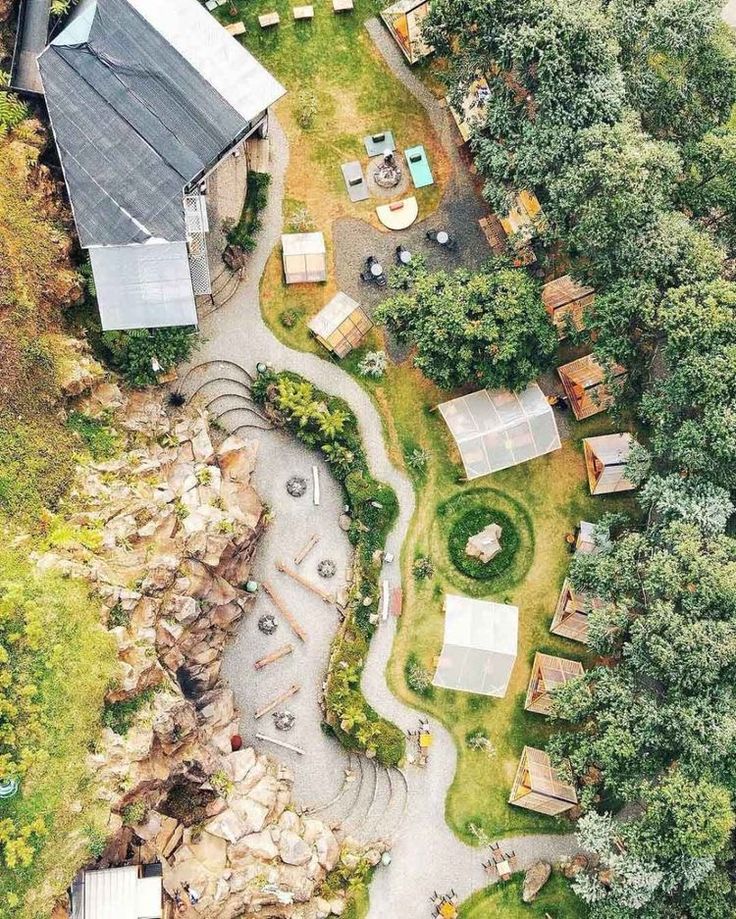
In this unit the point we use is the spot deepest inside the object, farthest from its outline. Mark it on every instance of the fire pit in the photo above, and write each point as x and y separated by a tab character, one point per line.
387	174
268	624
283	720
296	486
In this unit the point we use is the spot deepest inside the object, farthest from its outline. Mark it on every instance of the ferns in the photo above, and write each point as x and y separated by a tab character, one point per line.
12	110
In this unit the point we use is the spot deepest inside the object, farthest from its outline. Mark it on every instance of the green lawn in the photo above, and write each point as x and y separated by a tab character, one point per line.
503	901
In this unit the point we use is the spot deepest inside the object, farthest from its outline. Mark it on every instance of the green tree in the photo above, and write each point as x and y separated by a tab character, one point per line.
679	63
552	70
486	329
708	188
138	352
691	408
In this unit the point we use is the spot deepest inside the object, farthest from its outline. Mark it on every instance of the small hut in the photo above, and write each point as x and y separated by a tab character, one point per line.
404	21
548	672
340	325
605	459
588	386
571	614
305	257
523	214
485	545
127	892
566	301
537	786
480	644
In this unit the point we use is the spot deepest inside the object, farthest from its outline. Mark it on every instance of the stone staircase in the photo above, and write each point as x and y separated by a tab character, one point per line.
224	389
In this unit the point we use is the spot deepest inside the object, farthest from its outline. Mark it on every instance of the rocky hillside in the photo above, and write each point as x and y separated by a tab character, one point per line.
165	534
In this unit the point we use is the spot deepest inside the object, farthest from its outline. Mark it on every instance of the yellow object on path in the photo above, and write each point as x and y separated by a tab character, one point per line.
448	911
425	740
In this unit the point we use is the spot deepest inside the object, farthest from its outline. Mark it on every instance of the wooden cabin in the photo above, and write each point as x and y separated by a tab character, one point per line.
571	614
566	301
404	21
548	672
588	385
605	460
341	324
537	786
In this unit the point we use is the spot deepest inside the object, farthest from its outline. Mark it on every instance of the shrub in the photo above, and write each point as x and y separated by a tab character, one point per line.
243	233
478	740
134	352
290	317
96	841
300	220
418	678
373	364
423	568
119	716
305	108
417	460
134	813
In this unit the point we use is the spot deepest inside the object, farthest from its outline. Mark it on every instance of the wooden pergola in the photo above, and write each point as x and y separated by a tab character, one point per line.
566	301
548	672
571	614
537	786
587	385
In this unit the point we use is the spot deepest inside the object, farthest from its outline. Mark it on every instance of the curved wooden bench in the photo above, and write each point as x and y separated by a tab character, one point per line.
400	214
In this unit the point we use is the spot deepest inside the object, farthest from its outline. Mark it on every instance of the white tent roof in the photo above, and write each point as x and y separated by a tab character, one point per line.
333	314
480	645
497	429
221	59
304	257
143	286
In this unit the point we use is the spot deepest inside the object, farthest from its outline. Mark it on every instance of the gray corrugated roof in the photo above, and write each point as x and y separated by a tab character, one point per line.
134	122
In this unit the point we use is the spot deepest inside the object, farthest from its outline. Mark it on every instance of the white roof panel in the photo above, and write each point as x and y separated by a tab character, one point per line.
143	286
218	56
497	429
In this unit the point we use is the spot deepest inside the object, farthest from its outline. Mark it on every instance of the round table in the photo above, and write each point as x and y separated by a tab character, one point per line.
443	238
376	270
405	257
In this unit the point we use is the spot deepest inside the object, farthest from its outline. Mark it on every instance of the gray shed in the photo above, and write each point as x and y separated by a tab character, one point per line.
305	257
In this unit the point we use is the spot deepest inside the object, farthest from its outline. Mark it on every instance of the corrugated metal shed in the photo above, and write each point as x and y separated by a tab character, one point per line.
116	893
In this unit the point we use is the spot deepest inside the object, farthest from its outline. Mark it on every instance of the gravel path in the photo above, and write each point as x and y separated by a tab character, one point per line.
426	855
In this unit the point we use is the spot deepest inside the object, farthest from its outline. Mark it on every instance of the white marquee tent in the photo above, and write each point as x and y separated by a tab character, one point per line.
497	429
480	645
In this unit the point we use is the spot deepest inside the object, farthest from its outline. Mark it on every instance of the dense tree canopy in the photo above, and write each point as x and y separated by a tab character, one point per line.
552	71
486	329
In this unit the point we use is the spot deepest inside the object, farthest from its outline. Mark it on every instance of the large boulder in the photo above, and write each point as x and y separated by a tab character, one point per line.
534	880
293	850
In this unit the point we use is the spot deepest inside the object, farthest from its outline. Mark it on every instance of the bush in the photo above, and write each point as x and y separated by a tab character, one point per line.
289	317
300	220
101	440
133	352
472	522
373	364
243	233
119	716
134	813
423	568
305	108
418	678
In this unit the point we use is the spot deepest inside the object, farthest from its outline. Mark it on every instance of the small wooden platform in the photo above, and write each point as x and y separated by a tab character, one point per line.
342	6
236	28
269	19
303	12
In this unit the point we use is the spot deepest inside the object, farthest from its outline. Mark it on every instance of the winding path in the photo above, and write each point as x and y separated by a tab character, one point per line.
427	856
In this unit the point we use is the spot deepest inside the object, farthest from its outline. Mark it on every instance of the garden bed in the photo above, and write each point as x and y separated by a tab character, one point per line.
326	423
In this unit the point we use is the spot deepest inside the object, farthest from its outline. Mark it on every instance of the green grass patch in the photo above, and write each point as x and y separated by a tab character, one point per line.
98	436
58	648
119	716
503	901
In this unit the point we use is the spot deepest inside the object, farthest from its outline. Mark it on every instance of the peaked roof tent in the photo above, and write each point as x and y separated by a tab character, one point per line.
404	22
548	672
480	645
571	613
566	301
537	786
587	385
497	429
605	459
341	324
304	256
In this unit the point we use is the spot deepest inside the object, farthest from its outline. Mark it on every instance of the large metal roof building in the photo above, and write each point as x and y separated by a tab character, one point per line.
145	98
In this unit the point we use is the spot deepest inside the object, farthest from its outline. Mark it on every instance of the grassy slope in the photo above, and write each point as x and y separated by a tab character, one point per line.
80	662
356	94
503	901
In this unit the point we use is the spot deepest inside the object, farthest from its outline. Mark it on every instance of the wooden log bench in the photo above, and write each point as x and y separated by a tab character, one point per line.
303	12
266	20
273	656
306	548
324	595
279	700
282	608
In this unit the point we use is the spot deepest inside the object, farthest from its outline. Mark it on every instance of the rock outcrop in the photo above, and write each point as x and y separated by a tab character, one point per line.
175	523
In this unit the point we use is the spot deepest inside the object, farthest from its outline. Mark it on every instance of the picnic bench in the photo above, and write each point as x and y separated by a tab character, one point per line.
235	28
342	6
303	12
266	20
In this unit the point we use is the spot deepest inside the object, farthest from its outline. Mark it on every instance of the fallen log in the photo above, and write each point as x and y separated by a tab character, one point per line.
274	656
269	706
281	607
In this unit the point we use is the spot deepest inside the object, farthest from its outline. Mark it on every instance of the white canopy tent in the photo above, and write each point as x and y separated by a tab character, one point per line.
497	429
480	644
305	259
